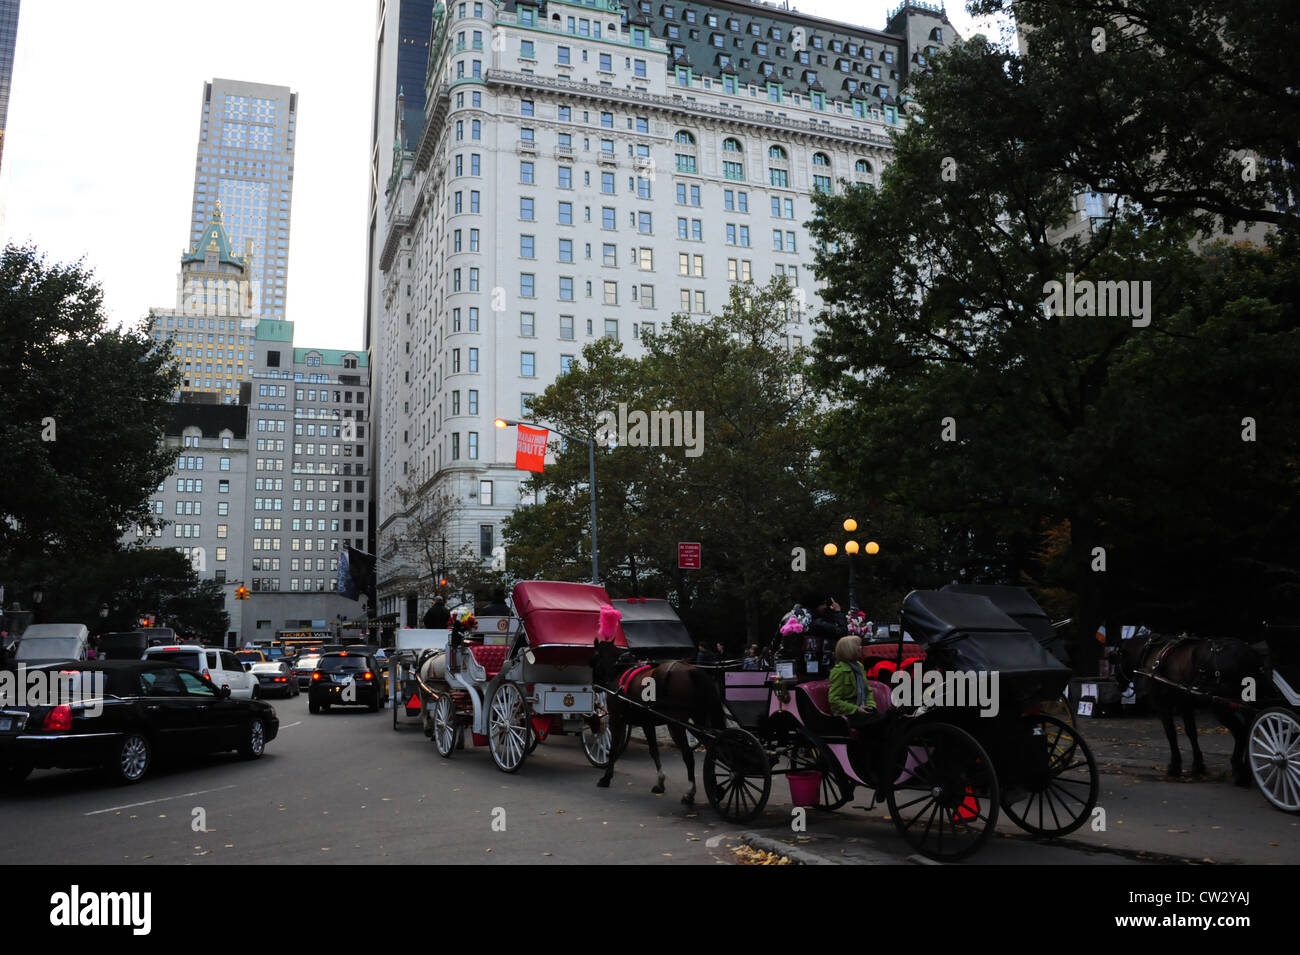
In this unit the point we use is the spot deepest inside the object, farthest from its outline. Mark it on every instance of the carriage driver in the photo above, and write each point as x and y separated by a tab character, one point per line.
849	695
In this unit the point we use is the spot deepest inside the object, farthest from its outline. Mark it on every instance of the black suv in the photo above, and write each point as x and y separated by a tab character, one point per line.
345	678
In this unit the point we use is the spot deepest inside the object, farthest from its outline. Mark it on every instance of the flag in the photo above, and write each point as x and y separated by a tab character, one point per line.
1101	634
356	572
530	451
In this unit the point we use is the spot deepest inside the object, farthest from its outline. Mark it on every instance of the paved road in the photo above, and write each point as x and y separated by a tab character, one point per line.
343	787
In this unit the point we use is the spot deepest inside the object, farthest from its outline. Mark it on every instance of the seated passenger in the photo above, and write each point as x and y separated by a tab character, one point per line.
848	694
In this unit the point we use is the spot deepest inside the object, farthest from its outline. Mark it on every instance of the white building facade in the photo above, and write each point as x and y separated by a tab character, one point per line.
586	170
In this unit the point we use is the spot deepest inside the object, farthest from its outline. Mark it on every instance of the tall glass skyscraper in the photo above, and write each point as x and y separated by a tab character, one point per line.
8	37
245	163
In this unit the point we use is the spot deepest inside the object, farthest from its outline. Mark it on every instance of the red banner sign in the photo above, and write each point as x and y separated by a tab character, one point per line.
688	556
530	452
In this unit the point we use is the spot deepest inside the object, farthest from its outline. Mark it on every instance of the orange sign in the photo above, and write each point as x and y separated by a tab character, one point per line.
530	452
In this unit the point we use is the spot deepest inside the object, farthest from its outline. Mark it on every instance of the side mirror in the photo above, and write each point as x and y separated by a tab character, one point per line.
224	692
248	667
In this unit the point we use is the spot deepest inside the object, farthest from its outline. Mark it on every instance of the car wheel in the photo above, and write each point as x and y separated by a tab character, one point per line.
254	743
131	760
313	707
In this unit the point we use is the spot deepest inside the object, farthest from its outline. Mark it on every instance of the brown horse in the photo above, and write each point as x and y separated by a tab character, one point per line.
1184	672
676	690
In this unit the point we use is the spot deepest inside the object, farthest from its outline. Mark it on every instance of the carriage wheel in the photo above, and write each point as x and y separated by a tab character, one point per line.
444	724
1060	709
508	729
737	775
944	798
1059	783
598	743
807	752
1275	757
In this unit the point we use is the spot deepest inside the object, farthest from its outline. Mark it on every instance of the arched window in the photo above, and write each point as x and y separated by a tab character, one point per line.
862	167
683	138
730	145
777	153
821	159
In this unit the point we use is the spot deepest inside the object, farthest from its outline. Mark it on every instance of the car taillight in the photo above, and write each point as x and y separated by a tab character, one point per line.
58	720
367	675
315	676
281	679
207	675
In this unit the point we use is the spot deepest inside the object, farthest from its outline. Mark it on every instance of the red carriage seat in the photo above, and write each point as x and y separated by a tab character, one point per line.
881	659
490	658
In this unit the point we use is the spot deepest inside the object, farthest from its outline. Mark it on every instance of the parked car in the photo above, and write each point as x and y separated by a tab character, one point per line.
213	663
273	678
303	668
52	642
345	679
150	709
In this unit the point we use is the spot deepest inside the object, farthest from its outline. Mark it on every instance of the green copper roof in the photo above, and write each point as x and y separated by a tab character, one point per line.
214	237
270	330
330	356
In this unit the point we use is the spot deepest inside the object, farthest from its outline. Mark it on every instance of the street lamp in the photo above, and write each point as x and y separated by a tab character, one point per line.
851	549
591	479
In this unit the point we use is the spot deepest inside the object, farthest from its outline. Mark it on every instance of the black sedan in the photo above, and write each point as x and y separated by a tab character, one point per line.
135	711
275	678
345	679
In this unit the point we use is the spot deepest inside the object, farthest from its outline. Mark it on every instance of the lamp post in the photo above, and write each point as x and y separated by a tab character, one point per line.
591	479
851	549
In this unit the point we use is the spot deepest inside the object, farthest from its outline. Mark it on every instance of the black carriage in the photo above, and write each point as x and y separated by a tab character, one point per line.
944	766
1274	744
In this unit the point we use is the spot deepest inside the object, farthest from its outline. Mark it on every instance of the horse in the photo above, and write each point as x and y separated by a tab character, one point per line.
677	690
1186	671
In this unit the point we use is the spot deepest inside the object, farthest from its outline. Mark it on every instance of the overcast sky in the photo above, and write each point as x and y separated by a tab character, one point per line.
104	123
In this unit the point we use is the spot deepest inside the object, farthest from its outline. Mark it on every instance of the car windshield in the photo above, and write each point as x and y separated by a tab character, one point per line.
308	663
348	662
49	648
186	658
252	655
267	668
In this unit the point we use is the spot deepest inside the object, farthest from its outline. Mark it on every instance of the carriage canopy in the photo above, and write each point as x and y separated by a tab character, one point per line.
1017	604
969	632
653	628
562	618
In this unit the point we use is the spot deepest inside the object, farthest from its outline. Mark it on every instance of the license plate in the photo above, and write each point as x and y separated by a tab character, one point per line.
559	702
6	724
343	679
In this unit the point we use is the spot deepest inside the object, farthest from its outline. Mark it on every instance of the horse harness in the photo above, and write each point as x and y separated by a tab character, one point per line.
1162	652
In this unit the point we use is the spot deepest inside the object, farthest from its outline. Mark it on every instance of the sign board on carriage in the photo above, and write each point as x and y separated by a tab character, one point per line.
688	555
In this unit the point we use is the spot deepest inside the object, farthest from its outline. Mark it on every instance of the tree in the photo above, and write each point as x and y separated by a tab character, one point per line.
744	485
85	409
962	397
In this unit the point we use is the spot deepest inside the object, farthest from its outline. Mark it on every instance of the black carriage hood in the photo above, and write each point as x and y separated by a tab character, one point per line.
651	625
969	632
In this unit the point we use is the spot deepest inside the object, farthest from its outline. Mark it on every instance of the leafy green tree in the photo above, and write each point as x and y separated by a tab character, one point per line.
85	406
960	398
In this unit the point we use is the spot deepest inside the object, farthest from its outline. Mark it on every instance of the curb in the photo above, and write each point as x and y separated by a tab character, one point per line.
796	854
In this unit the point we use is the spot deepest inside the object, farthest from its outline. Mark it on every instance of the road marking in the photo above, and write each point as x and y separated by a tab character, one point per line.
150	802
299	723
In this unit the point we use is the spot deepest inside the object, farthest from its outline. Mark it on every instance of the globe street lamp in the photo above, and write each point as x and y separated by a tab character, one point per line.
851	549
591	479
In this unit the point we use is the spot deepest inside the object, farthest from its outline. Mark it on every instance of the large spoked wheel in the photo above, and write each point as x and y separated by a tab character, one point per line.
1057	785
944	797
598	742
444	724
808	753
1275	757
508	729
737	776
1060	709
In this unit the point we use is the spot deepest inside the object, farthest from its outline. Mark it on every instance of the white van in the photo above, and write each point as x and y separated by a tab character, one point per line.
219	666
52	642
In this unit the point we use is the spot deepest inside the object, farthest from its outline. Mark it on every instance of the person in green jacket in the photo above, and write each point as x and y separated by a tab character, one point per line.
849	694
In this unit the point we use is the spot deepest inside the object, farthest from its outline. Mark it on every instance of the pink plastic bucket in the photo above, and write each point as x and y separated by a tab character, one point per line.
805	787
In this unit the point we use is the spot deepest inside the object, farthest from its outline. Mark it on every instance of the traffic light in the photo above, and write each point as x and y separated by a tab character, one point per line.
241	592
